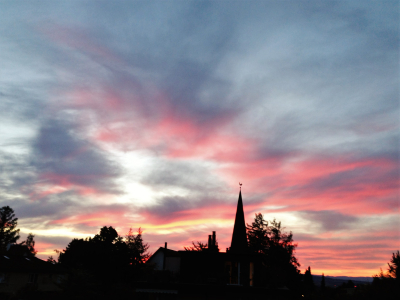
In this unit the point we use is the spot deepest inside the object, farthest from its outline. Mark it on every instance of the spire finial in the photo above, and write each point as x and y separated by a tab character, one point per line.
240	184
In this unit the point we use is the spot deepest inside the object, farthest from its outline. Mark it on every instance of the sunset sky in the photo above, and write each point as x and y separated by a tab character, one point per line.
149	113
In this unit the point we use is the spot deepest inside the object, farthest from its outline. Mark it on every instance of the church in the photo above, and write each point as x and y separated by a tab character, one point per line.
209	273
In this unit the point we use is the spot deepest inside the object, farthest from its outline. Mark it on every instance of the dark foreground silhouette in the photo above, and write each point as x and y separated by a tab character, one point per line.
260	264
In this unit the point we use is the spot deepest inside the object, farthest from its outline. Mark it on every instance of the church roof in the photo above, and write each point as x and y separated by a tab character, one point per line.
239	237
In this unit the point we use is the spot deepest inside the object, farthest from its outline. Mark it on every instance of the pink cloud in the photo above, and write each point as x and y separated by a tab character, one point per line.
65	181
77	39
360	186
109	218
125	118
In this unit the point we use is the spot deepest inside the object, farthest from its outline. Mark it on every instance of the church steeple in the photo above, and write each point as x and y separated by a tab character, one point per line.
239	237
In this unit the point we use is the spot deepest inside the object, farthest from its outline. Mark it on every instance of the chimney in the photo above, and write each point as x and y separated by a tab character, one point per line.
165	245
209	241
214	239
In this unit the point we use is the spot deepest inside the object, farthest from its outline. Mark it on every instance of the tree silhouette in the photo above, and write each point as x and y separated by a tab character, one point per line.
8	232
100	254
279	265
30	244
137	249
393	268
394	264
108	235
349	284
51	260
102	263
265	238
387	285
323	282
198	246
258	235
308	281
96	264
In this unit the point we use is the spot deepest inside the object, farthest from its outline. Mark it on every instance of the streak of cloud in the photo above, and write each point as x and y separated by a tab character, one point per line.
148	113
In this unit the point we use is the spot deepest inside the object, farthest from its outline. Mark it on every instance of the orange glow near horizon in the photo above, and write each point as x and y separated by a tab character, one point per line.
112	120
284	184
180	232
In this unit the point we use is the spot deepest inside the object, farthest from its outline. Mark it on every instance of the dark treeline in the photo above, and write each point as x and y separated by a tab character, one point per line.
108	265
104	265
98	267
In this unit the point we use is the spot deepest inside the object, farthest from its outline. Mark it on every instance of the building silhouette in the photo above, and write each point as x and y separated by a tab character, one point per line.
209	273
239	237
21	272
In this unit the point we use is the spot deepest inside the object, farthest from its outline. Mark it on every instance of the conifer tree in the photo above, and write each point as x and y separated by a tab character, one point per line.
308	281
9	234
136	247
394	270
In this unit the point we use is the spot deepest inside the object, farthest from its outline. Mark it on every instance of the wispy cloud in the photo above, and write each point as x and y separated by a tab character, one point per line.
148	113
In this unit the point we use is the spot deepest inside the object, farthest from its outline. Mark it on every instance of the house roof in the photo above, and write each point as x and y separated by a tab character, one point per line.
20	264
167	252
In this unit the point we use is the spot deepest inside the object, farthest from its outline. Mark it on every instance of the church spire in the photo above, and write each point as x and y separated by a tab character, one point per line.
239	237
